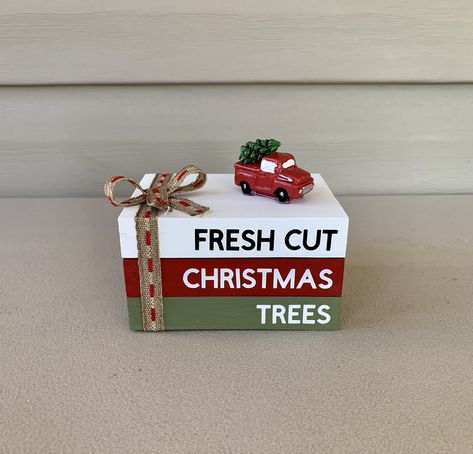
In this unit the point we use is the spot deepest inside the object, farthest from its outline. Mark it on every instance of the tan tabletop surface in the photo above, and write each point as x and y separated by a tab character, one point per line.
397	378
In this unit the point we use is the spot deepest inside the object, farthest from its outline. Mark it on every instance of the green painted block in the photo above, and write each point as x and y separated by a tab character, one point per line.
134	314
279	313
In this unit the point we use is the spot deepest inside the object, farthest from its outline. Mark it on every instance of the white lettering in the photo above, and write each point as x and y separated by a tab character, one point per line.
320	311
306	278
238	277
328	281
278	312
246	275
263	308
308	311
278	279
292	313
211	277
264	273
226	276
185	278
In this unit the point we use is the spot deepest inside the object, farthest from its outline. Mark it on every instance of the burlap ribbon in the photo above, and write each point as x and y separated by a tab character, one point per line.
159	196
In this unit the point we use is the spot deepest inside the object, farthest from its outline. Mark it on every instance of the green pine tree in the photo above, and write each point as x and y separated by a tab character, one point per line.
254	151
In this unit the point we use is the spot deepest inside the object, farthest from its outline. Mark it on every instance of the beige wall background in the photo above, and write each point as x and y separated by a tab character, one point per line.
374	94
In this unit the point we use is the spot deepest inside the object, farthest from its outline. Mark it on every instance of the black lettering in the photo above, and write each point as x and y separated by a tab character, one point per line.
260	239
231	239
247	237
329	234
198	238
305	241
216	238
287	242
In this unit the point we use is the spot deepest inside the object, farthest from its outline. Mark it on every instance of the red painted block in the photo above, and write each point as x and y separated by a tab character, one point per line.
243	277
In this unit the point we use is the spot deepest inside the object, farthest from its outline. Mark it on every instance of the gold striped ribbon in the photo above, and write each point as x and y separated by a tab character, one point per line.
159	196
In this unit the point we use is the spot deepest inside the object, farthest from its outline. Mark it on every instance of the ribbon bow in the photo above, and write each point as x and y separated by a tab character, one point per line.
160	193
159	196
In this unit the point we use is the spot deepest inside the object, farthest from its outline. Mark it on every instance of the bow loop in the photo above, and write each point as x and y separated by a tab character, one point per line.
160	194
179	177
113	182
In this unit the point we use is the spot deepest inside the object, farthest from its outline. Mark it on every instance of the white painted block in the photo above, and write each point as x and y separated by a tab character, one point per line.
318	212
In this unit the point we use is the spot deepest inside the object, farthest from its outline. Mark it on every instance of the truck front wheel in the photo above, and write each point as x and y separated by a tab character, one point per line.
245	188
282	196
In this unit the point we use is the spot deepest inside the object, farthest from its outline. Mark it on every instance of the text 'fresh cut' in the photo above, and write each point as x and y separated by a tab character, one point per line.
248	240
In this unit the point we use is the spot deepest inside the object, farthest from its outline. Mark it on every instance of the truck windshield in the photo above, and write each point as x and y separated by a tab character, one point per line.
289	163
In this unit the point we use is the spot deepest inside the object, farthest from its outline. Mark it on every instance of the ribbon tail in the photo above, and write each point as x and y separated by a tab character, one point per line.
152	306
187	206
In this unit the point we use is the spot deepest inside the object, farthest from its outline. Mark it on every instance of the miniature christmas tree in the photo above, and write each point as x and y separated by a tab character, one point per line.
254	151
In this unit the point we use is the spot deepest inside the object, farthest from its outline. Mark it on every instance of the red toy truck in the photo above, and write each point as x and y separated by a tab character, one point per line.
275	175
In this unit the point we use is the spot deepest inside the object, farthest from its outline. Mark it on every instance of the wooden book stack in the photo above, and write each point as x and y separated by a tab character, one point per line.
247	263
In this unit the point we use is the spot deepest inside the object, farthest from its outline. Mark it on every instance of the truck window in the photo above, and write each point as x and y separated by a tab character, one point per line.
289	163
268	166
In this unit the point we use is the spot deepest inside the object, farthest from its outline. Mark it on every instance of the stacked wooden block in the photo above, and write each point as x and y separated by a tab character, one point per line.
248	263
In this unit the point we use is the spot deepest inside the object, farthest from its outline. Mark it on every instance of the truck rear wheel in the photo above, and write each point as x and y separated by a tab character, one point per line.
282	196
245	188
